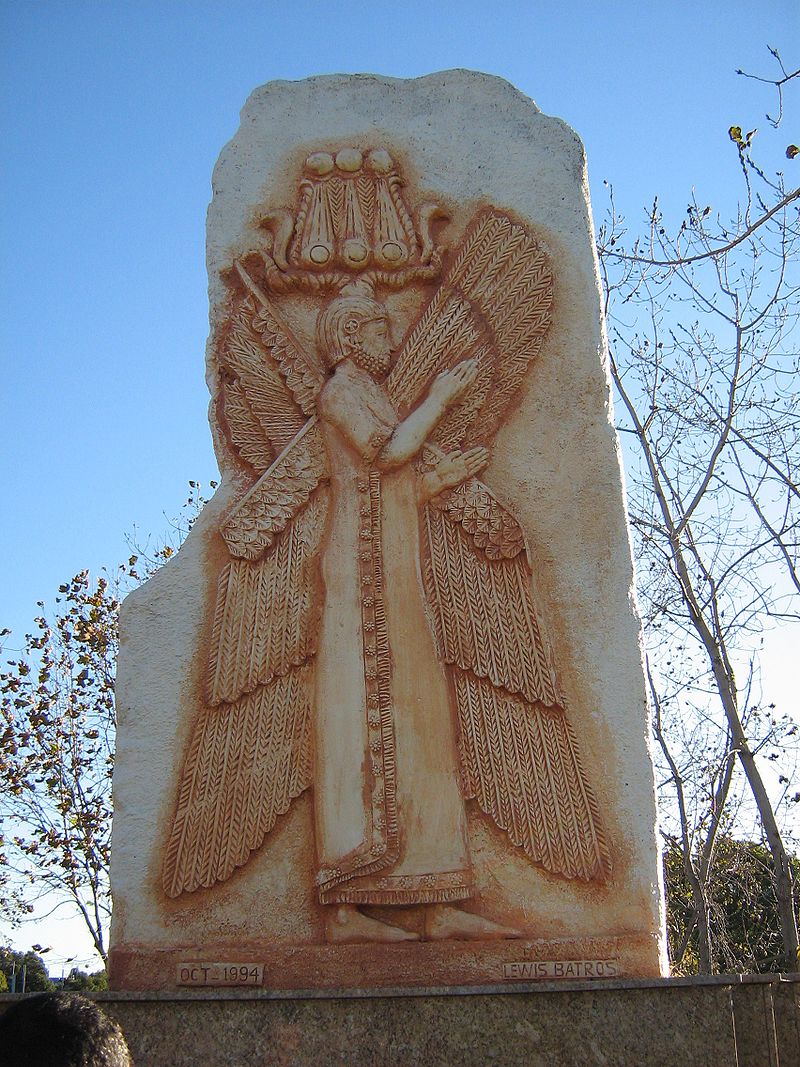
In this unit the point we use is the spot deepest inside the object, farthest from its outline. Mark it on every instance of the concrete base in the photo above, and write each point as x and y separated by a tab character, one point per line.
725	1021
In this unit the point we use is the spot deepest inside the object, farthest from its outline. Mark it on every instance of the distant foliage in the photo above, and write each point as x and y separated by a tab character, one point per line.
56	752
16	965
744	920
80	980
57	732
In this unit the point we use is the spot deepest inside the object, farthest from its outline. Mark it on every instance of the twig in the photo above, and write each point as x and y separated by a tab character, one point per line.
714	252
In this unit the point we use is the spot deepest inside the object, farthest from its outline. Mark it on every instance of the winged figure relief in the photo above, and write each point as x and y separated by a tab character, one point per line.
376	635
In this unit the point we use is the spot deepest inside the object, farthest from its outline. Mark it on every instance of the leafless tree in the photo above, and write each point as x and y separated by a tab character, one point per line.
703	335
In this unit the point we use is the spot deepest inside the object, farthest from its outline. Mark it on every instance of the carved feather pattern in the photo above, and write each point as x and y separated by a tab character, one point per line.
251	527
494	302
246	432
366	198
493	528
247	762
266	611
334	190
520	327
519	756
260	410
456	425
250	750
485	613
427	349
510	281
303	376
520	763
443	335
353	221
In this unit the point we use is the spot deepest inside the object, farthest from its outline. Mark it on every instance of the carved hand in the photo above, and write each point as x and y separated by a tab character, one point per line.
451	470
448	386
458	466
411	434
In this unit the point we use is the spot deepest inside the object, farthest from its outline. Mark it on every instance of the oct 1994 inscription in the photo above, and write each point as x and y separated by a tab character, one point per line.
220	974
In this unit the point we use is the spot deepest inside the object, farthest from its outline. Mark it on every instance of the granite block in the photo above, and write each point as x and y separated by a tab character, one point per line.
711	1022
754	1024
786	1009
611	1026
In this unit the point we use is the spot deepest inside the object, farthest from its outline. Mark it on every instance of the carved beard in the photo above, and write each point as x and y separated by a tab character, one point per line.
375	365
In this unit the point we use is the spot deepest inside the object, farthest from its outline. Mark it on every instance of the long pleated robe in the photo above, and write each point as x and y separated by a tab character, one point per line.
390	819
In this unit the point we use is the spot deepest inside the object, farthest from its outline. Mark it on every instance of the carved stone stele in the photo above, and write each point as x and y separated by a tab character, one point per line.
382	720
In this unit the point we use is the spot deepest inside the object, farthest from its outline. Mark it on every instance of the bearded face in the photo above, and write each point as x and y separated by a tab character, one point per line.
372	347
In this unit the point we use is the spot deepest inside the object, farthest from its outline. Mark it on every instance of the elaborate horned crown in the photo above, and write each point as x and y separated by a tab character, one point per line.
351	220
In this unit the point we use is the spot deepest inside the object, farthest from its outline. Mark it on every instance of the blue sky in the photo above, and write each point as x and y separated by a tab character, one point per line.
113	114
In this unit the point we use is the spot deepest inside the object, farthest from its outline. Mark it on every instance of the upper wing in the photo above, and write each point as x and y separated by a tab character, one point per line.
268	386
494	304
519	755
250	753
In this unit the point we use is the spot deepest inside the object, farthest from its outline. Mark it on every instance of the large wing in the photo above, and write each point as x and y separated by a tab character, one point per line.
519	754
249	753
494	304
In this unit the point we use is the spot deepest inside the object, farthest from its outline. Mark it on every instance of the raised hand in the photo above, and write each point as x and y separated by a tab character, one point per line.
409	437
448	386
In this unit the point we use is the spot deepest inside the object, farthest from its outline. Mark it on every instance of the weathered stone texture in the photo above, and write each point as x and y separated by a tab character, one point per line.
720	1022
396	664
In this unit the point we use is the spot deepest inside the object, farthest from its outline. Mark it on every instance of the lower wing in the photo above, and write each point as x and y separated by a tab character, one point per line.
250	754
519	754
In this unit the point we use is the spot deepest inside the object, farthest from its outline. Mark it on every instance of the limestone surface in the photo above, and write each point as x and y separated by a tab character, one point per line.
382	720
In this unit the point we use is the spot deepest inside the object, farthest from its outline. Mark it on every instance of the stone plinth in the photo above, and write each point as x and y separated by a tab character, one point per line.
719	1022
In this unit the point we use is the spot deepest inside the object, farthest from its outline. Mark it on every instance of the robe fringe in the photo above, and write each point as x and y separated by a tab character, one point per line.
396	896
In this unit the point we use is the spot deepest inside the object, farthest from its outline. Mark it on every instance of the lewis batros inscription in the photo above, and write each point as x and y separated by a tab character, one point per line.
404	708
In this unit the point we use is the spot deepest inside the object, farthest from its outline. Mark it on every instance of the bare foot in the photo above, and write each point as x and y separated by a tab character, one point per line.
346	925
443	921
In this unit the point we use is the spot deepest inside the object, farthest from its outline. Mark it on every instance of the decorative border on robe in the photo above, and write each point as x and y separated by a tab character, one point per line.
410	889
